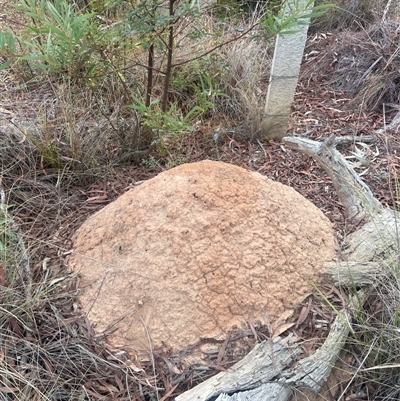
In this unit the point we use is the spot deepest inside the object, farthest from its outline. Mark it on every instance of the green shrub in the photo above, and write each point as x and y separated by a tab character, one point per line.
57	40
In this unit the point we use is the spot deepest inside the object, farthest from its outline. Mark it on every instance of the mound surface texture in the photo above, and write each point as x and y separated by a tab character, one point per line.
195	250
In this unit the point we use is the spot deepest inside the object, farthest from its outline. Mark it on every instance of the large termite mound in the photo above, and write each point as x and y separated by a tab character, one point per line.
196	250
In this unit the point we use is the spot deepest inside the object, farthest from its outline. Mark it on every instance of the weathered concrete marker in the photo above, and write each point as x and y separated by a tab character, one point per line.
284	75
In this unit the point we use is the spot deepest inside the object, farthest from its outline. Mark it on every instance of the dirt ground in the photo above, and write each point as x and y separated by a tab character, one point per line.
318	112
320	109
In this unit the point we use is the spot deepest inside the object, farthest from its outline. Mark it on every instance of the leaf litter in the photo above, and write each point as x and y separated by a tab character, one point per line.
49	349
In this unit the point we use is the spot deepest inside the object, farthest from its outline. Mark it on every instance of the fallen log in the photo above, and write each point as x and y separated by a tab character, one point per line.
357	198
266	372
271	371
264	363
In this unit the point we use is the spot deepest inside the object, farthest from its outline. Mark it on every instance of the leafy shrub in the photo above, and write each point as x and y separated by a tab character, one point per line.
57	40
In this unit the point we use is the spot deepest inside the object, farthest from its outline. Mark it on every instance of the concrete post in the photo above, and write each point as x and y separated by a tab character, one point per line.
284	76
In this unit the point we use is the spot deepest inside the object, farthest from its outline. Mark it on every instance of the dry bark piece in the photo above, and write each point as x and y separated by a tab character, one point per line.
357	198
265	373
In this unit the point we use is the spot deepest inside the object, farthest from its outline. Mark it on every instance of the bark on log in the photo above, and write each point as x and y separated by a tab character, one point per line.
376	240
357	198
264	363
275	391
351	273
365	258
265	374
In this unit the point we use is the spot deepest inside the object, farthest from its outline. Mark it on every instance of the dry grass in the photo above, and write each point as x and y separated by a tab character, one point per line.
350	15
375	345
64	133
48	348
364	65
247	77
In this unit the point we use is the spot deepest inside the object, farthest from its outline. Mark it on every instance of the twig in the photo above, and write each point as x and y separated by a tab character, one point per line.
262	147
343	140
366	73
151	356
22	259
386	10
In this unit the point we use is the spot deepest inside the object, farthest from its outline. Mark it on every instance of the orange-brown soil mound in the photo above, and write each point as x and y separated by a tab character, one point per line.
195	250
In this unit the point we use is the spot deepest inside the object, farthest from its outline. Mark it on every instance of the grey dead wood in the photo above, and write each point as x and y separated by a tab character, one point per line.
276	391
357	198
271	371
394	124
352	274
263	364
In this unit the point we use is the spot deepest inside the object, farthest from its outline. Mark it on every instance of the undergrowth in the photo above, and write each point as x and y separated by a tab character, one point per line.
373	345
86	103
48	348
117	78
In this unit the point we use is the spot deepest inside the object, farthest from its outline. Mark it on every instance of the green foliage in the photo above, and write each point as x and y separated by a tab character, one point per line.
8	48
49	153
64	39
149	17
161	122
198	83
148	20
251	6
288	18
57	40
207	91
225	10
7	41
275	5
150	163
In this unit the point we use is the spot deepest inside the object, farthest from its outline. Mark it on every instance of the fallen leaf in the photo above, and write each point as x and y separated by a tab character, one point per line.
281	329
97	198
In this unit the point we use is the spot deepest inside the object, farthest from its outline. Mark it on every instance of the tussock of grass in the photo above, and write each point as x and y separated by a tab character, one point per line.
375	344
348	15
48	349
247	76
365	65
380	65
